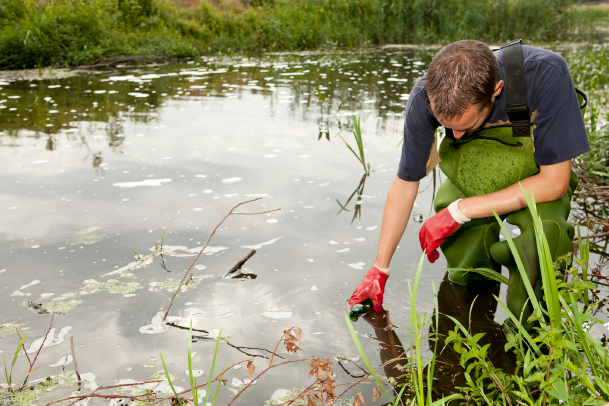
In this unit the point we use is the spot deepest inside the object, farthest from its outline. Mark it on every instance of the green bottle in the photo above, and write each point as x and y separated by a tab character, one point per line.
360	309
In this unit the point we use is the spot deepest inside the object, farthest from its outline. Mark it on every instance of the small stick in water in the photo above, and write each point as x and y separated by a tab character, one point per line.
74	358
240	263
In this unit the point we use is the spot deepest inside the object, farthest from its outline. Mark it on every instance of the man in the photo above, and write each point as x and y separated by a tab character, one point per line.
485	154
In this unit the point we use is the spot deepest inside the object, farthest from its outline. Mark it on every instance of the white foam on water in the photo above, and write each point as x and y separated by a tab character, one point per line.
157	325
231	195
257	195
311	260
344	250
50	341
231	180
147	182
167	157
279	394
358	265
200	176
332	242
278	315
270	156
258	246
238	383
272	221
136	94
227	315
208	191
372	228
99	91
197	209
318	333
129	294
195	372
12	208
45	295
303	156
32	283
208	250
314	287
2	270
40	161
63	361
359	239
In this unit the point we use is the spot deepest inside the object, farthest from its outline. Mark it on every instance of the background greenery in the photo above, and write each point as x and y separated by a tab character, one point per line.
73	32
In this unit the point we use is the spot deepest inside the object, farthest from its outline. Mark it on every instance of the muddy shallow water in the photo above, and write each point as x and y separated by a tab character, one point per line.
95	168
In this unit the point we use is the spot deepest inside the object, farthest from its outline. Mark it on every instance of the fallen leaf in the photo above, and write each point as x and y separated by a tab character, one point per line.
250	368
291	339
360	398
376	393
310	402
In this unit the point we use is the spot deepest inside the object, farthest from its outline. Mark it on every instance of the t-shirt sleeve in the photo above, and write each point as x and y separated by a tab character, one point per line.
559	133
419	130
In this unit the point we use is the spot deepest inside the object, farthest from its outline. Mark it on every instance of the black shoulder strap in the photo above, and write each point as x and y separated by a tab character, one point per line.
517	108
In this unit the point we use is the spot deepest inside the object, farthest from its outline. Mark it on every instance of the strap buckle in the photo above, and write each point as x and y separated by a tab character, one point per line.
519	112
514	42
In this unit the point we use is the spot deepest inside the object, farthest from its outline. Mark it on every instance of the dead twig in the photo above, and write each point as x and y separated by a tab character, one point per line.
102	388
599	235
32	363
241	262
74	359
205	246
361	379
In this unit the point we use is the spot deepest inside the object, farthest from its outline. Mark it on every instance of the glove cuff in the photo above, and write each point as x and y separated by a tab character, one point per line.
457	215
383	270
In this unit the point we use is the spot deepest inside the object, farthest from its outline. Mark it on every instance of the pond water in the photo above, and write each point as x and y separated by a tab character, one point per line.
96	168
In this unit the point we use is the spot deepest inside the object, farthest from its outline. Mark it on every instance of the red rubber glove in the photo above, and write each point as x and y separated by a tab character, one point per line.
435	231
371	287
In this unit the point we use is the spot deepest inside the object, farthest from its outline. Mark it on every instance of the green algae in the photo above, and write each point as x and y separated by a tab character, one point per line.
61	306
88	235
9	328
30	394
170	284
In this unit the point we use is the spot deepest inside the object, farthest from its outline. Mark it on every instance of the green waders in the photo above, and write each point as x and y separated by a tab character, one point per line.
491	160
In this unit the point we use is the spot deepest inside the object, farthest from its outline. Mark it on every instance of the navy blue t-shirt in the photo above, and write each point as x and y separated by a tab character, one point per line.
559	133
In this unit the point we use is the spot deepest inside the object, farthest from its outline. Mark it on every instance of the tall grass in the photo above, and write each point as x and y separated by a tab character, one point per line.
73	32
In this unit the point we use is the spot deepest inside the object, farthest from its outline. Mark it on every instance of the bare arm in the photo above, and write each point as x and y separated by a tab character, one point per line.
398	206
551	183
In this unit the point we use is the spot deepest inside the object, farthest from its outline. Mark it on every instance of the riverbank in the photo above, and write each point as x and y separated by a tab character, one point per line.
76	32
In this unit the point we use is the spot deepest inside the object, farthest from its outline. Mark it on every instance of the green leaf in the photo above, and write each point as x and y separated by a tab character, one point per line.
169	380
486	272
213	364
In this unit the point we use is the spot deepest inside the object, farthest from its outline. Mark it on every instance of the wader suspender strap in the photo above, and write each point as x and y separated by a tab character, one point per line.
517	108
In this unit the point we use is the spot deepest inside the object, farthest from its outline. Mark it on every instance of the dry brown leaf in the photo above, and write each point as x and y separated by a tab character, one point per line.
376	393
250	368
310	402
360	398
291	339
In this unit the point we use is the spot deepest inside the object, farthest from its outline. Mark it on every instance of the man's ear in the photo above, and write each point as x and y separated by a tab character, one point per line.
498	88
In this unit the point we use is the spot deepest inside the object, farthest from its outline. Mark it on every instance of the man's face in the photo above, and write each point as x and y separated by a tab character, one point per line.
473	118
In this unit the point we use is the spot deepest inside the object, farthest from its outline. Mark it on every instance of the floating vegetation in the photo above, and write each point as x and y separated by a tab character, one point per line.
9	328
36	389
89	235
170	284
61	306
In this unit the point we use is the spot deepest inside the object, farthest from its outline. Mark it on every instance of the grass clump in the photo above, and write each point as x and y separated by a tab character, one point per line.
75	32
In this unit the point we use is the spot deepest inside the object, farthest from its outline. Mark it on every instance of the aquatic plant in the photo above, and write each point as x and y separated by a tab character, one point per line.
357	133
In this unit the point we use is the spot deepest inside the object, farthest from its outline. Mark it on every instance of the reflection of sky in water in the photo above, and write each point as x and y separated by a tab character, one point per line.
123	159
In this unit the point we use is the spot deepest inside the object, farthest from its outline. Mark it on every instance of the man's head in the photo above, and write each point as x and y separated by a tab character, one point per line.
462	84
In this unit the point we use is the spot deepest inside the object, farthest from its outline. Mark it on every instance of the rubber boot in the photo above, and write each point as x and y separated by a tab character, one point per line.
470	246
559	234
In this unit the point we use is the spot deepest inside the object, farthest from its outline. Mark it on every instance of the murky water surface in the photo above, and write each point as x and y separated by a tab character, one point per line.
95	169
